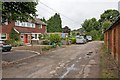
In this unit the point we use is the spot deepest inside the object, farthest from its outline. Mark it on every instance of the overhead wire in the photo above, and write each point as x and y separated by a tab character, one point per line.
59	13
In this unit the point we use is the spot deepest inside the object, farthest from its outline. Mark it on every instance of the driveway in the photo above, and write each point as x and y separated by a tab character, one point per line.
75	61
16	55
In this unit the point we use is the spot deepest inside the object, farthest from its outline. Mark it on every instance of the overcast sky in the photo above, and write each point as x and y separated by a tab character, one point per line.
74	12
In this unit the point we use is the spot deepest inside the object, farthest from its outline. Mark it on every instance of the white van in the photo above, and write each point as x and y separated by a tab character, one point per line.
80	39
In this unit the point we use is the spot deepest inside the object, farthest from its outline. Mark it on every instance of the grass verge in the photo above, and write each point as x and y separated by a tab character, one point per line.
109	68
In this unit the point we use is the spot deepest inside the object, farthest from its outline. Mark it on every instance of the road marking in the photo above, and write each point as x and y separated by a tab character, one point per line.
4	53
68	70
29	51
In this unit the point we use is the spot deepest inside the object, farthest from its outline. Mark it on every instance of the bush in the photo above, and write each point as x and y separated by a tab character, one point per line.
14	43
45	36
14	35
11	41
73	40
55	38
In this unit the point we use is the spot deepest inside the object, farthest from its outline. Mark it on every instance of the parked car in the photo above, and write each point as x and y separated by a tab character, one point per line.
89	38
80	40
4	46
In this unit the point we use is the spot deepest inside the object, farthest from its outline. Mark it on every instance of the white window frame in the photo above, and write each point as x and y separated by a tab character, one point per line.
25	24
33	35
1	34
22	39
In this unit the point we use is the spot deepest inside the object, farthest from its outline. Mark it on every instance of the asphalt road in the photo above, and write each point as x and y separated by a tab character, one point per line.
75	61
16	55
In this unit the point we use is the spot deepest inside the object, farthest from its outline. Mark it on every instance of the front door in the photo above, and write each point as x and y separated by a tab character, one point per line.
26	38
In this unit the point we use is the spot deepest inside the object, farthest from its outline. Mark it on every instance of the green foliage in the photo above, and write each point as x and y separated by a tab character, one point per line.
73	40
54	24
43	19
40	36
13	11
106	25
109	15
45	36
95	28
11	41
96	35
91	24
14	35
55	38
14	43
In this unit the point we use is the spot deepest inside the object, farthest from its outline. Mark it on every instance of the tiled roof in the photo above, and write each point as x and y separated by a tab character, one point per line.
38	21
28	30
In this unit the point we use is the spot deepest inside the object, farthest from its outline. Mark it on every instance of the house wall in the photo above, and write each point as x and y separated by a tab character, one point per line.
7	29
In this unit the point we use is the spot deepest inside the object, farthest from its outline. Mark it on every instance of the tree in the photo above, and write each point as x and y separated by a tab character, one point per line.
109	15
43	19
12	11
54	24
106	25
91	24
14	35
66	29
107	18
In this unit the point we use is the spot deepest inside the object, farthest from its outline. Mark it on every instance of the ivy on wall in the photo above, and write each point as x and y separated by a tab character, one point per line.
14	35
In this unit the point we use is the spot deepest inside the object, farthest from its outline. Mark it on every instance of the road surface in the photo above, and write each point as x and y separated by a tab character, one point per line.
74	61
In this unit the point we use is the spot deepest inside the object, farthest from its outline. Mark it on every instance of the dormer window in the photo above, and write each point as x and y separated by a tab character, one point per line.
25	24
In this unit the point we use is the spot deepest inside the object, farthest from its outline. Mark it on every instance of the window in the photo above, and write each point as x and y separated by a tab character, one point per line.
28	24
17	23
25	24
3	36
35	36
40	26
33	25
22	37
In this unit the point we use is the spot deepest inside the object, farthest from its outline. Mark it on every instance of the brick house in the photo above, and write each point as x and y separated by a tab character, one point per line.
112	39
28	31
